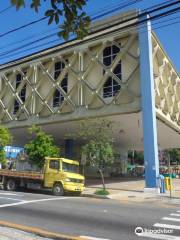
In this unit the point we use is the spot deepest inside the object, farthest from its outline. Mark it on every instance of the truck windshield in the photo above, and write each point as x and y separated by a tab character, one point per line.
67	167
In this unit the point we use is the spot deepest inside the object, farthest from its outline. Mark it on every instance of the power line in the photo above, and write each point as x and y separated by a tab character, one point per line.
43	18
111	6
28	38
117	9
172	11
121	6
32	36
23	26
144	13
114	10
56	40
5	9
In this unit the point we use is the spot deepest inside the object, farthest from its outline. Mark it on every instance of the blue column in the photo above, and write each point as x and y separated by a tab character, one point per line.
69	143
148	106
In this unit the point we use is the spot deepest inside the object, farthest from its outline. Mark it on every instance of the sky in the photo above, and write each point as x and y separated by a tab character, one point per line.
19	43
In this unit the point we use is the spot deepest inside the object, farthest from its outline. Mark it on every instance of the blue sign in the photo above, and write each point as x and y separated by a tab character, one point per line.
12	152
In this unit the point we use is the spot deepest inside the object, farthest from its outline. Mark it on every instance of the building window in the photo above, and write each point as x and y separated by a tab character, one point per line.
111	86
58	98
22	93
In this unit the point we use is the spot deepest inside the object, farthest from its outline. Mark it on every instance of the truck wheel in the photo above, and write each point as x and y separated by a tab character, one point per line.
58	189
11	185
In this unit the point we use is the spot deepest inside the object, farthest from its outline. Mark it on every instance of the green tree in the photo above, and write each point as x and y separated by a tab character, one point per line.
137	157
70	12
98	147
174	154
41	146
5	139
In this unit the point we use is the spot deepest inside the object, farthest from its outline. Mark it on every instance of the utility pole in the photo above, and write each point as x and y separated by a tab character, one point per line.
169	170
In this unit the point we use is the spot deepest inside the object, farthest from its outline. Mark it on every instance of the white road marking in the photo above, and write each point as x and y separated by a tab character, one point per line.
34	201
160	225
159	236
93	238
13	199
171	219
10	194
175	214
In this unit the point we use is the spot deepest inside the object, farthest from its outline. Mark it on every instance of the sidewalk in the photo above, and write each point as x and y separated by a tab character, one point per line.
14	234
132	190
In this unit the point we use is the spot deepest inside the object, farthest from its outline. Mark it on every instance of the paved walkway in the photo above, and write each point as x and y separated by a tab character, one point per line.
132	190
14	234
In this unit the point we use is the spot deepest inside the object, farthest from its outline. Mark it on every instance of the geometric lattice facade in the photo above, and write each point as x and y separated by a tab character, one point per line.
98	76
93	82
167	87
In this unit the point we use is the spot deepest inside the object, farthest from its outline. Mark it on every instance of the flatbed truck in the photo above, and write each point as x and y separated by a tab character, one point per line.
59	174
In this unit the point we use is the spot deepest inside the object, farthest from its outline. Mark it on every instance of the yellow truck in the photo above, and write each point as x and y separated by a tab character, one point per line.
59	174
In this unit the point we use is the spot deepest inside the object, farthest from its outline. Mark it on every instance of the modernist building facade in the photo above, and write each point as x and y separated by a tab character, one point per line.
122	74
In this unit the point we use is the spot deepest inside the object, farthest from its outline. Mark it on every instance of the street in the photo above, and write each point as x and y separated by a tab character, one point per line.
80	216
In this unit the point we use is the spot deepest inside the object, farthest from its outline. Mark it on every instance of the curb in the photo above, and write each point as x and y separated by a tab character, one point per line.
40	232
90	195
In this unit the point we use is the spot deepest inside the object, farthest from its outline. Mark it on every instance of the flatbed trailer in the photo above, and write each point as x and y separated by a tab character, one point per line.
11	180
21	174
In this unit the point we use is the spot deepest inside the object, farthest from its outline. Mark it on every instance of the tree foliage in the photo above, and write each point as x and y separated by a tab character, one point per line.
137	157
41	146
98	147
5	139
97	136
67	12
174	154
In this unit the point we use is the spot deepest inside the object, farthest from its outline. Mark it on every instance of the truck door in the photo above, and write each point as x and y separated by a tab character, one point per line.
52	173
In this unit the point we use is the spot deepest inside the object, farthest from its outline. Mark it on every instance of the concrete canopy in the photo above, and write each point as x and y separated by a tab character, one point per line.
127	128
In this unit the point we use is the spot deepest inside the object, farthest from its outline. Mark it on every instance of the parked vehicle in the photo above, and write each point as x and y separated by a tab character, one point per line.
59	174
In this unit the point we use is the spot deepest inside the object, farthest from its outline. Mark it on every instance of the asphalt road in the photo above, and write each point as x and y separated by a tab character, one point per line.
80	216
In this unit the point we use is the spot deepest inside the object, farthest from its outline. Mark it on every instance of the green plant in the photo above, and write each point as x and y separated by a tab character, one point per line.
41	146
74	19
98	147
101	192
5	139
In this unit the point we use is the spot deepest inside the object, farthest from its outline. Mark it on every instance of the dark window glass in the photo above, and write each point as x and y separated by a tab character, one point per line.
54	164
58	67
115	49
107	88
56	74
108	82
67	167
107	61
58	98
16	106
22	93
117	70
18	80
107	51
116	87
111	86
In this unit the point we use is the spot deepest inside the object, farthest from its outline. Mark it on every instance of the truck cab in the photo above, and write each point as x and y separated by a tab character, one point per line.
62	175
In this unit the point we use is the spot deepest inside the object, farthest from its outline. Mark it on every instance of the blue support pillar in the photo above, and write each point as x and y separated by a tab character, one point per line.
69	144
148	106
